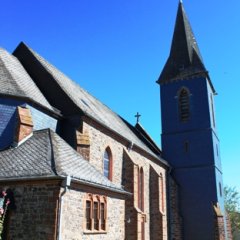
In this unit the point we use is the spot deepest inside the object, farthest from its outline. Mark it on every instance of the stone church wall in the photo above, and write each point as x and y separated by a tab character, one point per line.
74	222
176	220
34	213
99	141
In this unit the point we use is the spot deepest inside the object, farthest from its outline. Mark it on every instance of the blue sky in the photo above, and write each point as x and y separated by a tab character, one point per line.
116	50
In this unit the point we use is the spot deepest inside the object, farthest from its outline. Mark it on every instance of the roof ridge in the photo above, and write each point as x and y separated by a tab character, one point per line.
83	102
69	78
147	137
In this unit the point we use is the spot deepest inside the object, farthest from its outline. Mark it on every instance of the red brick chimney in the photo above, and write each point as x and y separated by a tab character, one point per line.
83	144
24	125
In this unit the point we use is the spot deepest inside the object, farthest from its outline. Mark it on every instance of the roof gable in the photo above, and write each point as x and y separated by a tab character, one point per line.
85	102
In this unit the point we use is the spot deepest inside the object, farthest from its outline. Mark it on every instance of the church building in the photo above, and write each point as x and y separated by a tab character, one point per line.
72	169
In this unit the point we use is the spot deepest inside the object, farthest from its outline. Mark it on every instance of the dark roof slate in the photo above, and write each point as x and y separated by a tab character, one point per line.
15	81
143	134
46	154
185	59
90	106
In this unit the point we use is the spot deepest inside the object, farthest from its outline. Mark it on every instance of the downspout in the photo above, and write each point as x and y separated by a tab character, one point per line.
66	184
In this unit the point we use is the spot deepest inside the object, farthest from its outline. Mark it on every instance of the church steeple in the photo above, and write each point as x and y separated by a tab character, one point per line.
185	60
189	136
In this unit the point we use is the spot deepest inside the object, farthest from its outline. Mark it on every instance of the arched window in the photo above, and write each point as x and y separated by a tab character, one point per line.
184	105
141	190
107	163
161	191
95	213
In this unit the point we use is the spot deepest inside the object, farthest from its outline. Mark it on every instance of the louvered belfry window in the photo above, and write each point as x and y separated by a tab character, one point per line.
184	105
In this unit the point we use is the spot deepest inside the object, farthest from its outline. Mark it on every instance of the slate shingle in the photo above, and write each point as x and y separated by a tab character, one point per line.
15	81
47	154
86	102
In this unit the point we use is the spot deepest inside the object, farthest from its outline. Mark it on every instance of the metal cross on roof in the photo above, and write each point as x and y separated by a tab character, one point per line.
137	116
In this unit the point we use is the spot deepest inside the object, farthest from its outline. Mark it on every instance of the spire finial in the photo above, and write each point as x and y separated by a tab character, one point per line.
137	116
181	1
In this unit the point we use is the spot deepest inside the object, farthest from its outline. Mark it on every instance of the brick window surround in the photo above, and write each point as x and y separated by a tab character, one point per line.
95	214
107	164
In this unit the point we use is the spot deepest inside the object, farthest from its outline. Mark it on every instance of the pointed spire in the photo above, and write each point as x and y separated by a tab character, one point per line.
185	60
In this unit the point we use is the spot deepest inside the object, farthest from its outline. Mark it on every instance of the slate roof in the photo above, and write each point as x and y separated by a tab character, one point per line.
15	81
90	106
185	59
46	154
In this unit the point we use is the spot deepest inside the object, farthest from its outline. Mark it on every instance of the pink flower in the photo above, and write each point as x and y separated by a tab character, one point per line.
8	201
1	211
4	193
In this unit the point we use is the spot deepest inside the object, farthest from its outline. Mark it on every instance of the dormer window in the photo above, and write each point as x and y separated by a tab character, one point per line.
184	105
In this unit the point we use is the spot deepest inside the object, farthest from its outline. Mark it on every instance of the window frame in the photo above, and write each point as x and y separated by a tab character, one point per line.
141	189
99	200
161	194
110	163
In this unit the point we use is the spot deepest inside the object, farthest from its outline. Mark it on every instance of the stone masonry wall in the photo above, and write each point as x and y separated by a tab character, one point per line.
157	207
36	211
99	141
73	225
176	220
229	227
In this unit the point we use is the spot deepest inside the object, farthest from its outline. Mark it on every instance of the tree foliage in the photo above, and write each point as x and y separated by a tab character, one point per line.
232	205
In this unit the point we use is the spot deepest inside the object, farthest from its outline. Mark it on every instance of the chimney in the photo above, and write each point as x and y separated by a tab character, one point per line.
24	126
83	144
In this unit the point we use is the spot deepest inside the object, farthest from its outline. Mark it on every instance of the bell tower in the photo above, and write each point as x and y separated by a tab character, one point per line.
189	136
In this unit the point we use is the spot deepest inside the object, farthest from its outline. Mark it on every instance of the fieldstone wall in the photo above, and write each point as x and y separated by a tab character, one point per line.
175	218
74	221
229	227
98	143
36	211
157	207
125	174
